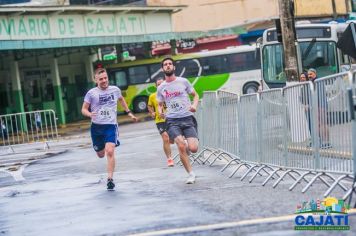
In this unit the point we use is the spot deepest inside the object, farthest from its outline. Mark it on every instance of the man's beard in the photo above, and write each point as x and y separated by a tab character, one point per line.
169	73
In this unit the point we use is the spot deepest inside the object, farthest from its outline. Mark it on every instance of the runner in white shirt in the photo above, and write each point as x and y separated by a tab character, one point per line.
102	102
181	124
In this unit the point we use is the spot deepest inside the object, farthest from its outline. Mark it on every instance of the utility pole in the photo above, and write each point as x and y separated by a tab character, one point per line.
333	4
347	2
286	14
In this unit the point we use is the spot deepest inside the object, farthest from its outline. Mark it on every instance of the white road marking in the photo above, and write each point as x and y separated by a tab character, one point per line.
225	225
18	173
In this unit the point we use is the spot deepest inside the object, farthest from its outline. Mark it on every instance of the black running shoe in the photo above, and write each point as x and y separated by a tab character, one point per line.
110	185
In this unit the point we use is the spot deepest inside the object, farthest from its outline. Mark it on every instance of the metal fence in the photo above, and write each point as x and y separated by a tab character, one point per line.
28	127
303	131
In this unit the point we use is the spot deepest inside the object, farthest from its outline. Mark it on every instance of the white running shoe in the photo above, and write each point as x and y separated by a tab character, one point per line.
191	178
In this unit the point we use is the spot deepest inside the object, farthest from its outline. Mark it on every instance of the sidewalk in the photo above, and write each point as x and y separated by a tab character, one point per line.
84	125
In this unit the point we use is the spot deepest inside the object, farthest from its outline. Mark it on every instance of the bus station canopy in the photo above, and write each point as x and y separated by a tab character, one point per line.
77	26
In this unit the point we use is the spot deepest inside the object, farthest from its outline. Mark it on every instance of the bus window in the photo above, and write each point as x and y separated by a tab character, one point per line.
139	75
155	71
243	62
120	79
188	68
213	65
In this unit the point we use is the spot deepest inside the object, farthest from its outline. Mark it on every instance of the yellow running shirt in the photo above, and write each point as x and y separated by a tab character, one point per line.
152	101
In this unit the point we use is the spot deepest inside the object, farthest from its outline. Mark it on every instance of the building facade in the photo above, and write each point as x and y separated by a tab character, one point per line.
47	53
214	14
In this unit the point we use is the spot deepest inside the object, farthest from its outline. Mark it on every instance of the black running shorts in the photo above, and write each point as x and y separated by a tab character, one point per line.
185	126
162	127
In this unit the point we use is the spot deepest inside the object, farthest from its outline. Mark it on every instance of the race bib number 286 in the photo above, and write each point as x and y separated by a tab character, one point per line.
105	113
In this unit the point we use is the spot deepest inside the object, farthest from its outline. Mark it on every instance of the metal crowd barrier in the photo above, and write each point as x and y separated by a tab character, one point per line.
303	131
28	127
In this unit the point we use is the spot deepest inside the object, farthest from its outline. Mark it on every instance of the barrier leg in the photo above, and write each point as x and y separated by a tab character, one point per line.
229	163
218	157
213	153
248	171
331	188
237	168
299	179
257	172
288	172
334	179
311	182
270	176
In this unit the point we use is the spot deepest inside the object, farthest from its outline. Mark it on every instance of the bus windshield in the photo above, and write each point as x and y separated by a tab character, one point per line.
321	56
318	55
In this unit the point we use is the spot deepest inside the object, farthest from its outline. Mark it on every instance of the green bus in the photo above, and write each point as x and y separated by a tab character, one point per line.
235	69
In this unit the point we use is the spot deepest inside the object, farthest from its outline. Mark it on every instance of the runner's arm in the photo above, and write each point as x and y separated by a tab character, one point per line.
85	110
160	109
150	107
193	107
151	111
126	108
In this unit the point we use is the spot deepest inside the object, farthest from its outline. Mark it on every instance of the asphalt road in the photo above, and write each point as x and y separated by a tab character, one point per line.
65	194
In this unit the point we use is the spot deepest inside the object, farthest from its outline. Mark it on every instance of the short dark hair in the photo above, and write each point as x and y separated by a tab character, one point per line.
167	58
99	71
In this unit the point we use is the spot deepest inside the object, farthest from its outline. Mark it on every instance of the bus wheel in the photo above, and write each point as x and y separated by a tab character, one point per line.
140	105
250	88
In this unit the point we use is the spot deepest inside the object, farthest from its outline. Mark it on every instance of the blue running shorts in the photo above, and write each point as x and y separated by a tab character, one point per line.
102	134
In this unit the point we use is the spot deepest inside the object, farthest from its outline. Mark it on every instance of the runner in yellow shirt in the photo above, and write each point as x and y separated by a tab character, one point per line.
161	124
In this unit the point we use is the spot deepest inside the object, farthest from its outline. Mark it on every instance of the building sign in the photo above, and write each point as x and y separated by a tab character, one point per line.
108	53
328	214
25	27
187	44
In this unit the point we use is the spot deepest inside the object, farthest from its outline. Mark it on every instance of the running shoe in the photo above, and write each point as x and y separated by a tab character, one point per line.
110	185
191	178
170	162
